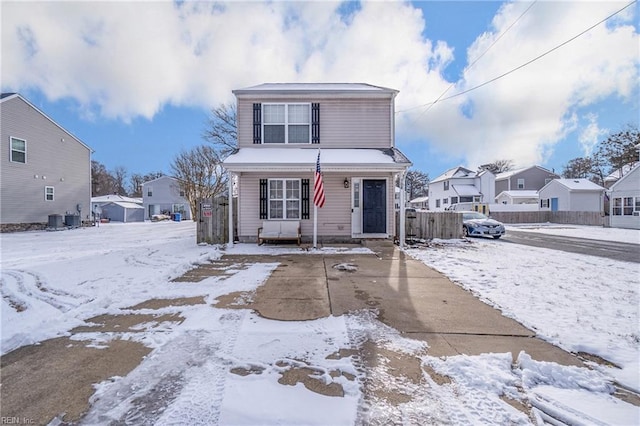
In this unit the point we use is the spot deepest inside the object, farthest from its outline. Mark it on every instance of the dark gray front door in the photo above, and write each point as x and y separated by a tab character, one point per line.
374	206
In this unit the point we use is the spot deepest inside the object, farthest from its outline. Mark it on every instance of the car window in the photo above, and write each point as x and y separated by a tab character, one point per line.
473	215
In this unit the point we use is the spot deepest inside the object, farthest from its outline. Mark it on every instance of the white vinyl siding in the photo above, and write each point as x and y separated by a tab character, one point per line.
344	123
18	150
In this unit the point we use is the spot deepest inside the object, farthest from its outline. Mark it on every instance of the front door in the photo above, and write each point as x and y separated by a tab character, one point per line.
374	206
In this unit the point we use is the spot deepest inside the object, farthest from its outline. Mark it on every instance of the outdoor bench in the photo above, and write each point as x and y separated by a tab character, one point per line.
279	230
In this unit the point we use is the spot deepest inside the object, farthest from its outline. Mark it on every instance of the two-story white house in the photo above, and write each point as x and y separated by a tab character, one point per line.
461	185
44	169
281	129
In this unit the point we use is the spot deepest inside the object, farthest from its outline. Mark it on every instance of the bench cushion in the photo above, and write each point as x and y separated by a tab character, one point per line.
271	228
289	229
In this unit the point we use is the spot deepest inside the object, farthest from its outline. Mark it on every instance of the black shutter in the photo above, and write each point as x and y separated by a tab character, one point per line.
263	199
305	198
315	123
257	123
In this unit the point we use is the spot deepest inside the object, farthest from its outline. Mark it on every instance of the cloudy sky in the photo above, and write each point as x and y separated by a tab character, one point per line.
135	80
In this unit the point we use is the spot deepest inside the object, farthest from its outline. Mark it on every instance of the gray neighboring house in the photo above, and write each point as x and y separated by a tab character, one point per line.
164	196
528	179
281	129
118	208
45	169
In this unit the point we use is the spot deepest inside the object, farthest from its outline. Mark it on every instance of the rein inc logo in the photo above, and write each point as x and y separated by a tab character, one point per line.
6	420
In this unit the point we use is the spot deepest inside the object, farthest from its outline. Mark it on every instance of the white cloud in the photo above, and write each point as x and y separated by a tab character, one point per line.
128	59
590	135
523	115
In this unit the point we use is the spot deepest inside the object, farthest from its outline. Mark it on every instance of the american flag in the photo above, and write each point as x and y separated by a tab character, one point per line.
318	185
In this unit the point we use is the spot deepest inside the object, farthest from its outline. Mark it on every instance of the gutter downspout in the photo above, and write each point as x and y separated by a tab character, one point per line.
402	232
230	189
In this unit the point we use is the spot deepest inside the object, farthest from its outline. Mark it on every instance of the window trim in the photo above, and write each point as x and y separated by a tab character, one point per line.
284	199
12	150
520	183
47	194
286	123
149	191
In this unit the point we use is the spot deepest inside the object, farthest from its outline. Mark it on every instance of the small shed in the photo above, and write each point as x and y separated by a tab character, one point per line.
122	211
576	195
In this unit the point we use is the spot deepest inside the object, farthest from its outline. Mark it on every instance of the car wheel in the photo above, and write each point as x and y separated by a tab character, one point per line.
465	231
495	237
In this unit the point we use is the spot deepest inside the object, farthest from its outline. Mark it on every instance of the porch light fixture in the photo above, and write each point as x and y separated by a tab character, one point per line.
346	182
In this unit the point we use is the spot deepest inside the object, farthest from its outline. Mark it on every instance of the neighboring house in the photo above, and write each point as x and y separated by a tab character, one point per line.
281	130
577	195
45	170
461	185
525	196
614	176
164	196
625	200
420	203
118	208
528	178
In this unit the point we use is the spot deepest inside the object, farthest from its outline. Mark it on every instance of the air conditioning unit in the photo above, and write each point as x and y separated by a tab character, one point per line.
637	213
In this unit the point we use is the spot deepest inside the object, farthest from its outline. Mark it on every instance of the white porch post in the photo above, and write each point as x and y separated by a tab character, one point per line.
315	226
230	189
402	232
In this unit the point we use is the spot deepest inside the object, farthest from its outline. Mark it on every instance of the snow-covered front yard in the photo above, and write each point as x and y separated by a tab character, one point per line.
53	282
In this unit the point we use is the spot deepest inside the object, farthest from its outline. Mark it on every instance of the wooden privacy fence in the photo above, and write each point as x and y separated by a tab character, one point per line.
213	220
429	225
574	218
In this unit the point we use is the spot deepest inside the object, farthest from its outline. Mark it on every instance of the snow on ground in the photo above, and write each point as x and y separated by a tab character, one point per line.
52	282
631	236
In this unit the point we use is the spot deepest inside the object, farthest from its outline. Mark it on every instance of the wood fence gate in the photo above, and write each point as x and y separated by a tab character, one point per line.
213	220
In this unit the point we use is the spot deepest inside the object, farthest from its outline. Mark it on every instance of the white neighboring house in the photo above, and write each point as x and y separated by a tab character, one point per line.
164	196
523	196
118	208
625	200
577	195
420	203
461	185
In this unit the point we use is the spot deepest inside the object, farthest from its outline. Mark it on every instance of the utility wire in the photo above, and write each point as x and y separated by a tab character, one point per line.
474	62
430	104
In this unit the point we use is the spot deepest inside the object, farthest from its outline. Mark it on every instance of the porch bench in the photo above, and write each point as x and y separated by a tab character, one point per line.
279	230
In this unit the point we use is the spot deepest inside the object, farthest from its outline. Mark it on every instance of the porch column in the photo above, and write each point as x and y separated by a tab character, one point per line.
230	192
402	235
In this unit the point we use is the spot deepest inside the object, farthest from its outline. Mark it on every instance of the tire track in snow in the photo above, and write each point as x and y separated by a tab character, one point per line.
18	286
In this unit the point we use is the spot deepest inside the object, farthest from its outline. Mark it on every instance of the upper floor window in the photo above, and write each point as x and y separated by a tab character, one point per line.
286	123
520	183
18	150
149	191
446	185
48	193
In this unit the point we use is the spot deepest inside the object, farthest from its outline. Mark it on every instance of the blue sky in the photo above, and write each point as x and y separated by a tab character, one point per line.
138	91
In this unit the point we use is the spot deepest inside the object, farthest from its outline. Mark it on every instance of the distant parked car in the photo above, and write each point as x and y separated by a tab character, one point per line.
477	224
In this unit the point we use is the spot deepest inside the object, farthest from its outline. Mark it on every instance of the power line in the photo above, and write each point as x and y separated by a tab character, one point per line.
474	62
430	104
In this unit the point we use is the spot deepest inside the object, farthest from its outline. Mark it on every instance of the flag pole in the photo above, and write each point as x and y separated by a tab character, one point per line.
315	226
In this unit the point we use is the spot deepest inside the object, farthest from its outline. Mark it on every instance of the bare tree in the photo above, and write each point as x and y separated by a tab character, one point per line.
618	150
136	180
417	184
102	181
222	129
119	178
581	167
200	174
498	166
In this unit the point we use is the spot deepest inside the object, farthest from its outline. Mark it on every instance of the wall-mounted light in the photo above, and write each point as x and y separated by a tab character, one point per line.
346	182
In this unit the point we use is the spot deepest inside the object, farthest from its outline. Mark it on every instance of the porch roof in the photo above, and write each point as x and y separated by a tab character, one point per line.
466	190
304	159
